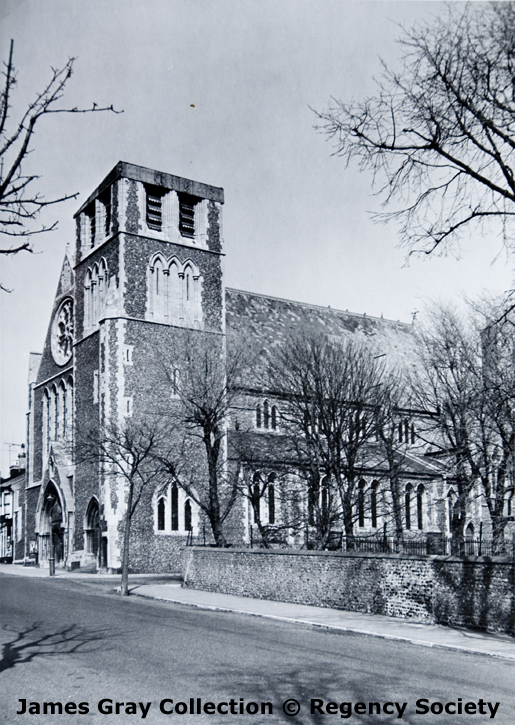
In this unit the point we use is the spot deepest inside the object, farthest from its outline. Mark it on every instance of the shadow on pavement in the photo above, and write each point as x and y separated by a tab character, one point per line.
34	641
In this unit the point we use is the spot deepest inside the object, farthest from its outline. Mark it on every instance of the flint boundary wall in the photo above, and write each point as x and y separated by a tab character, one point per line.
476	593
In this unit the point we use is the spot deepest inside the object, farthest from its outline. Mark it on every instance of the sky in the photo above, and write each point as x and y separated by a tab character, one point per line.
222	92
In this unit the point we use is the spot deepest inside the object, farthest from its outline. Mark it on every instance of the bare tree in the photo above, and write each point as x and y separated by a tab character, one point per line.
390	418
20	203
439	133
331	393
496	415
468	384
270	489
128	452
203	378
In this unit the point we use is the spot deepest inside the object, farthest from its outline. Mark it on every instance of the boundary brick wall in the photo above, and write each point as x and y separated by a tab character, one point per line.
478	593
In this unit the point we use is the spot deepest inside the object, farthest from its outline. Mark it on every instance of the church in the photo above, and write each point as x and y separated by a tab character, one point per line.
148	263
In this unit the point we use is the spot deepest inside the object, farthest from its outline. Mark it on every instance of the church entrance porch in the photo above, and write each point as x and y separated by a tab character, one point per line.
51	537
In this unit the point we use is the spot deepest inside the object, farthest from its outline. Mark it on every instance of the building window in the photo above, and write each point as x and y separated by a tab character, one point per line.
174	292
420	504
96	284
325	498
266	414
175	508
256	496
161	515
407	505
187	215
271	498
400	432
413	434
258	416
63	412
373	504
274	417
450	507
187	516
361	504
174	379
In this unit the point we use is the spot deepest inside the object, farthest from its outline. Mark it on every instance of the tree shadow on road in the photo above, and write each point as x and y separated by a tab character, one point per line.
37	641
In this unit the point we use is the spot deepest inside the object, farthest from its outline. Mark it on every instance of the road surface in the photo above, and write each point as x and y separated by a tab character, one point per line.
81	649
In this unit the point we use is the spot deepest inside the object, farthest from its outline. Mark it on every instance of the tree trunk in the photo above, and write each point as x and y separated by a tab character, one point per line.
124	591
498	526
212	450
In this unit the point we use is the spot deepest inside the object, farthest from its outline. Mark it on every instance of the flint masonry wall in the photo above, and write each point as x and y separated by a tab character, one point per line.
435	590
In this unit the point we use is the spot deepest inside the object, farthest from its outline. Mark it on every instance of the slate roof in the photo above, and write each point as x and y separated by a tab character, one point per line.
268	321
269	449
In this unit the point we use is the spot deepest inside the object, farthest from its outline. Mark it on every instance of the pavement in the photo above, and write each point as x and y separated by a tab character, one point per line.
168	587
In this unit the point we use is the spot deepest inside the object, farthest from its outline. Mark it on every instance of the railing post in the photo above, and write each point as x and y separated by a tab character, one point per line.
480	537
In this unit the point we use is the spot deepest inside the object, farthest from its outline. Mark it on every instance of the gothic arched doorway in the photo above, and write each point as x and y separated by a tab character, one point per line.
52	534
93	532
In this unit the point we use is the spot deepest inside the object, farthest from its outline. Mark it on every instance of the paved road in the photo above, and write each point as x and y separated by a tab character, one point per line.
71	643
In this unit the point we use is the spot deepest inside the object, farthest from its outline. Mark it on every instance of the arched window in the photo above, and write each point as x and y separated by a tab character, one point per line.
469	540
373	503
52	413
361	504
413	434
191	295
266	414
420	505
258	416
88	315
407	505
187	516
63	416
175	508
274	417
271	498
400	432
69	409
325	497
175	381
158	289
96	283
45	414
102	288
313	494
161	510
256	496
406	431
174	293
450	507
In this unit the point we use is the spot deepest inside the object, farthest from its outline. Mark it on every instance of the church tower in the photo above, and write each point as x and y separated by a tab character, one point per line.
148	264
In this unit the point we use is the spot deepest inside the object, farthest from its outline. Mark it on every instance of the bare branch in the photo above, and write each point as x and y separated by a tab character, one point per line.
439	134
19	203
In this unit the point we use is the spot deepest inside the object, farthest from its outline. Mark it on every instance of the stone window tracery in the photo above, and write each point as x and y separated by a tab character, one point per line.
174	292
96	285
175	512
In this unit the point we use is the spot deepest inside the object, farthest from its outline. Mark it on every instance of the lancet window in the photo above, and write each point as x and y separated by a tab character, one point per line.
96	284
174	292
